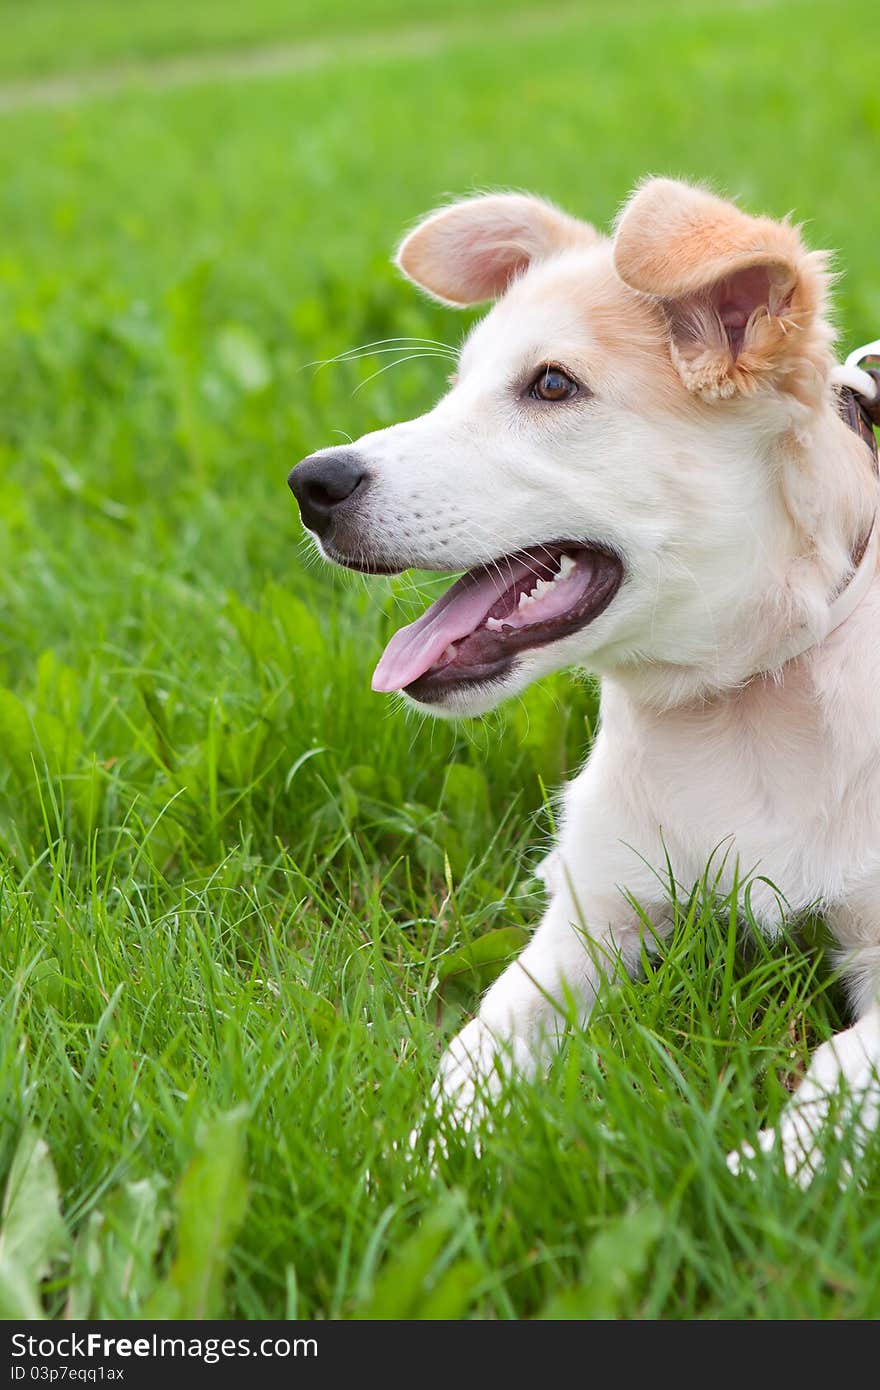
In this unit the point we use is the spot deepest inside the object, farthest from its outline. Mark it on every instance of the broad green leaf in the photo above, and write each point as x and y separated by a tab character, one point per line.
46	982
540	719
137	1222
86	792
255	629
114	1259
349	802
617	1258
55	743
16	735
26	743
465	798
477	964
32	1233
19	1295
301	632
211	1203
83	1294
453	1293
620	1253
465	803
185	335
57	687
281	631
363	778
412	1275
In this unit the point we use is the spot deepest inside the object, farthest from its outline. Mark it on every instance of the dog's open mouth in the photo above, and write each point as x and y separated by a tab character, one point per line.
495	611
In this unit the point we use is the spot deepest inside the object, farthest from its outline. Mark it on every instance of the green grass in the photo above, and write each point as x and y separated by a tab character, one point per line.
41	37
231	876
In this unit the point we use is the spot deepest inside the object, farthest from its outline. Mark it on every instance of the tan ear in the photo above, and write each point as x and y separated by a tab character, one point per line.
470	251
743	298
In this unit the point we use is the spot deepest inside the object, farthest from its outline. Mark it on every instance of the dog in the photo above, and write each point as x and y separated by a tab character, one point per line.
642	467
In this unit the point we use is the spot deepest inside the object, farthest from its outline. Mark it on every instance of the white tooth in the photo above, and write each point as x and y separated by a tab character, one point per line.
494	623
525	600
566	565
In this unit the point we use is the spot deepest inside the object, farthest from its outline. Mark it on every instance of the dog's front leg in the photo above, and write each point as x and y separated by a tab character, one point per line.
589	931
840	1093
839	1096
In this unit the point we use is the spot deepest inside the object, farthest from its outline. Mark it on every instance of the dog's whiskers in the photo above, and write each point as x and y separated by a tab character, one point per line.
384	345
383	352
411	357
480	537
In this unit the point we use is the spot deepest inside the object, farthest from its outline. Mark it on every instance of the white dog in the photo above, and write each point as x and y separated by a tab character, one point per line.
643	466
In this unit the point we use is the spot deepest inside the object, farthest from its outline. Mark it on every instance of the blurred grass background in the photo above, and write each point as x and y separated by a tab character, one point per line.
64	36
240	894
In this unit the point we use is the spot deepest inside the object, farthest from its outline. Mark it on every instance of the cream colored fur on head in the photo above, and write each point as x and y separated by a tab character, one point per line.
709	455
702	457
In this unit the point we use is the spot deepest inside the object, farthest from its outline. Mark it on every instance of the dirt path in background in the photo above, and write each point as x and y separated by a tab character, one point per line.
68	89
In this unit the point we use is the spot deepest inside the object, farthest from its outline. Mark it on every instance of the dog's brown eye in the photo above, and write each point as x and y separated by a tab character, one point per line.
553	384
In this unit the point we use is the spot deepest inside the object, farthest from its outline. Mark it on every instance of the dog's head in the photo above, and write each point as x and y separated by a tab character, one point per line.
624	464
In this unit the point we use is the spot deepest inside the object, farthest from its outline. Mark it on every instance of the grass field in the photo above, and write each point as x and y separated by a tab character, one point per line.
240	892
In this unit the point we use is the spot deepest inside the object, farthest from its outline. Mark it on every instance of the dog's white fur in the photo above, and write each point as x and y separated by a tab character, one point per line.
711	458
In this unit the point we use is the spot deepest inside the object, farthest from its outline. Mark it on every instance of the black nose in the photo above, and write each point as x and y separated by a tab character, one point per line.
321	483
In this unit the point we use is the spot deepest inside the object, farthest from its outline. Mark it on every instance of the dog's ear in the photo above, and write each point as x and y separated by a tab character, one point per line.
743	298
470	251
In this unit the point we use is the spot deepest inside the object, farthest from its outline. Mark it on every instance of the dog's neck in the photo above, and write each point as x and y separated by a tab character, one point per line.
841	607
830	563
858	406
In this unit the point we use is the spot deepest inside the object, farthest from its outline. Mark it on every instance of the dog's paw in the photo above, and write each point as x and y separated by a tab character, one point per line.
795	1140
465	1094
472	1074
740	1161
808	1126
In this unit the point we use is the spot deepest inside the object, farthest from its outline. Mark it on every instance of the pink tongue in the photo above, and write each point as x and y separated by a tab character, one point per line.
462	608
